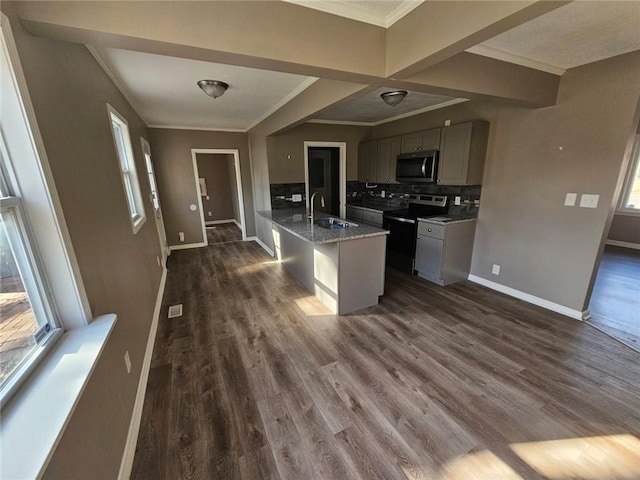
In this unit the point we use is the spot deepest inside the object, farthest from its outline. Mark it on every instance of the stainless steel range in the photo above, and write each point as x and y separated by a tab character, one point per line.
403	225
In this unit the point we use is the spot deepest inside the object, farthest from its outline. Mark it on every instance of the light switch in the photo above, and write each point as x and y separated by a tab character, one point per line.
570	199
588	200
457	199
296	197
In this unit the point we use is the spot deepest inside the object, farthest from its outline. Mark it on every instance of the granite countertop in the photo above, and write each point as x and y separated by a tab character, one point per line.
295	222
447	219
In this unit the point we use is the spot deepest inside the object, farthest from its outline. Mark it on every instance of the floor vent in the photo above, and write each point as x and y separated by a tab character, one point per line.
175	311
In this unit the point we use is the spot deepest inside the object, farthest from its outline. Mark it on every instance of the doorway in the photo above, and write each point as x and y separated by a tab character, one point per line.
219	187
155	201
325	172
615	300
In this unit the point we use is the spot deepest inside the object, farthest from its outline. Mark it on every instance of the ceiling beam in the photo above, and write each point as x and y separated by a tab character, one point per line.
437	30
487	77
278	32
283	37
303	107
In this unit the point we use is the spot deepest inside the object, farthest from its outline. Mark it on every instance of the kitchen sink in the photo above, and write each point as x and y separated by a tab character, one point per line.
334	223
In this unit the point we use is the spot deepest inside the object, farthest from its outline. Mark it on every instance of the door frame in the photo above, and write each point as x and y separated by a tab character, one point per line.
164	249
342	171
196	176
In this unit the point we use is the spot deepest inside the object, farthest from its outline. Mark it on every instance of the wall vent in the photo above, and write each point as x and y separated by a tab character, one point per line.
175	311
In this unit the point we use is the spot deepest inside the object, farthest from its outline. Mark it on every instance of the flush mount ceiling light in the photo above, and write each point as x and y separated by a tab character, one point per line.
393	98
213	88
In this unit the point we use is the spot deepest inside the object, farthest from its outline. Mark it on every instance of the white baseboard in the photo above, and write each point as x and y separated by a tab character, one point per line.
618	243
237	223
261	243
136	417
527	297
187	245
218	222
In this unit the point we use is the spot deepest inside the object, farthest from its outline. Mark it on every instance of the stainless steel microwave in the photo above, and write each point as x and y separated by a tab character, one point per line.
417	167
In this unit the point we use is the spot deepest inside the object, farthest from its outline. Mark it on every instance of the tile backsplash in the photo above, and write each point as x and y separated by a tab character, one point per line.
282	194
395	192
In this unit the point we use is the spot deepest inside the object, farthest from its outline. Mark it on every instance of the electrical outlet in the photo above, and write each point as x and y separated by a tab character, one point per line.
127	361
209	213
457	200
447	123
495	269
181	236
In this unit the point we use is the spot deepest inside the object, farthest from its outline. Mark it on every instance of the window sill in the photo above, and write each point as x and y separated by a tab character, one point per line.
136	223
35	419
628	213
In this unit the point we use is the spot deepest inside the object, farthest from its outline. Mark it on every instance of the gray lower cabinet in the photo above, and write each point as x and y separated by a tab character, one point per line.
365	215
354	213
443	252
463	149
372	218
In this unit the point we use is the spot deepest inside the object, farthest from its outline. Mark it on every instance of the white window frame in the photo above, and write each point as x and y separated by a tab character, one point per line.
24	249
34	420
632	173
127	166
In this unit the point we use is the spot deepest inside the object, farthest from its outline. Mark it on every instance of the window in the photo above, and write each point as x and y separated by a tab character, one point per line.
28	324
631	194
122	140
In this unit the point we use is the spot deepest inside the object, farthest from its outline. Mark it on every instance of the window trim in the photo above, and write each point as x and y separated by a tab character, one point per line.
632	173
32	179
37	286
128	169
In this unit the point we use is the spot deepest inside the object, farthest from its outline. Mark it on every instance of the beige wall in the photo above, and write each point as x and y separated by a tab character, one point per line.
625	228
544	248
291	143
176	181
318	96
69	92
217	204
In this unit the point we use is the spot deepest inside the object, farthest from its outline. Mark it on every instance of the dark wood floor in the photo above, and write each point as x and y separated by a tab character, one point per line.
223	232
256	381
615	303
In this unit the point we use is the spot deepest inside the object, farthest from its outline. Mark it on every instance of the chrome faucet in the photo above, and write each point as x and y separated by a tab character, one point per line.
311	203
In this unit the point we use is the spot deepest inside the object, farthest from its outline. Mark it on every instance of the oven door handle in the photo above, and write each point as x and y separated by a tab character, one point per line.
403	220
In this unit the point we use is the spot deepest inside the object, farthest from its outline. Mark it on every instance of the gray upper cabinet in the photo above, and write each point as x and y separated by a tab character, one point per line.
421	141
368	161
463	149
388	151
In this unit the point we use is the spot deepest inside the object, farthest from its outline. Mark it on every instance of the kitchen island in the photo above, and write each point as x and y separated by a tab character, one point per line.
343	267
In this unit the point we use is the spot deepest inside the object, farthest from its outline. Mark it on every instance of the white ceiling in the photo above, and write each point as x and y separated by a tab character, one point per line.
575	34
370	109
163	90
383	13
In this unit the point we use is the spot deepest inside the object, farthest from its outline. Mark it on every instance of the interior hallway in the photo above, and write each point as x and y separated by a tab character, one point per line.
615	302
254	381
223	232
